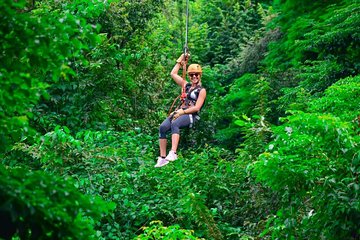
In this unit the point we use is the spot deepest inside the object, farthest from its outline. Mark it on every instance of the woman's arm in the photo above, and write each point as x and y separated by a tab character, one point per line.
174	72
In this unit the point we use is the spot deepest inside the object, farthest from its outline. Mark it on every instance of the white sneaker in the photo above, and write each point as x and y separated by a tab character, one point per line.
161	162
172	156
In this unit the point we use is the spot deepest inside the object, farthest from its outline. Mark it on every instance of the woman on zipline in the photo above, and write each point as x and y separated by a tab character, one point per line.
192	99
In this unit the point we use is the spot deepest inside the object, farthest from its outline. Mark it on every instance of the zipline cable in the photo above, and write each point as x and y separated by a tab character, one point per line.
186	56
186	28
186	49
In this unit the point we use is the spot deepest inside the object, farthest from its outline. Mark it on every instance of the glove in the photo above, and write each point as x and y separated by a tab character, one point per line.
177	114
182	58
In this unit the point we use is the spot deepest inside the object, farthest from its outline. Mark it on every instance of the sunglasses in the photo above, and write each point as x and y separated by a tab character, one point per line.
194	74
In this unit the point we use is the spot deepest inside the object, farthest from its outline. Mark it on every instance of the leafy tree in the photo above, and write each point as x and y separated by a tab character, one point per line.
35	205
317	49
110	83
230	25
314	159
37	46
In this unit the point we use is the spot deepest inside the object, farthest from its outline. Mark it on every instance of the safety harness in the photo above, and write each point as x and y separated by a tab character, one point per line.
191	95
187	97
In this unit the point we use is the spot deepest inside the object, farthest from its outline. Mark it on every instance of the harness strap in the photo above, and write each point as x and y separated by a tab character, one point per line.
172	105
183	90
191	120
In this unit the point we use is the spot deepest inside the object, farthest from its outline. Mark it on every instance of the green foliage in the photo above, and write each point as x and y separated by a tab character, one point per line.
158	231
254	49
282	51
318	48
240	95
93	78
253	52
230	25
196	207
248	95
35	205
243	96
341	99
59	150
256	134
36	47
119	167
330	53
312	158
306	137
60	142
98	160
116	77
339	41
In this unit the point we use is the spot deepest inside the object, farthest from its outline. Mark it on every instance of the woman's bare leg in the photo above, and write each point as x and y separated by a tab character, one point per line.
162	143
175	138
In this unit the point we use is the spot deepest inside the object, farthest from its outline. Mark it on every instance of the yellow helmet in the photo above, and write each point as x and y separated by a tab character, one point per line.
194	68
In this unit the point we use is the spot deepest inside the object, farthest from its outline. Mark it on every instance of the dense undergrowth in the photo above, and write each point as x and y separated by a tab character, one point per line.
275	156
